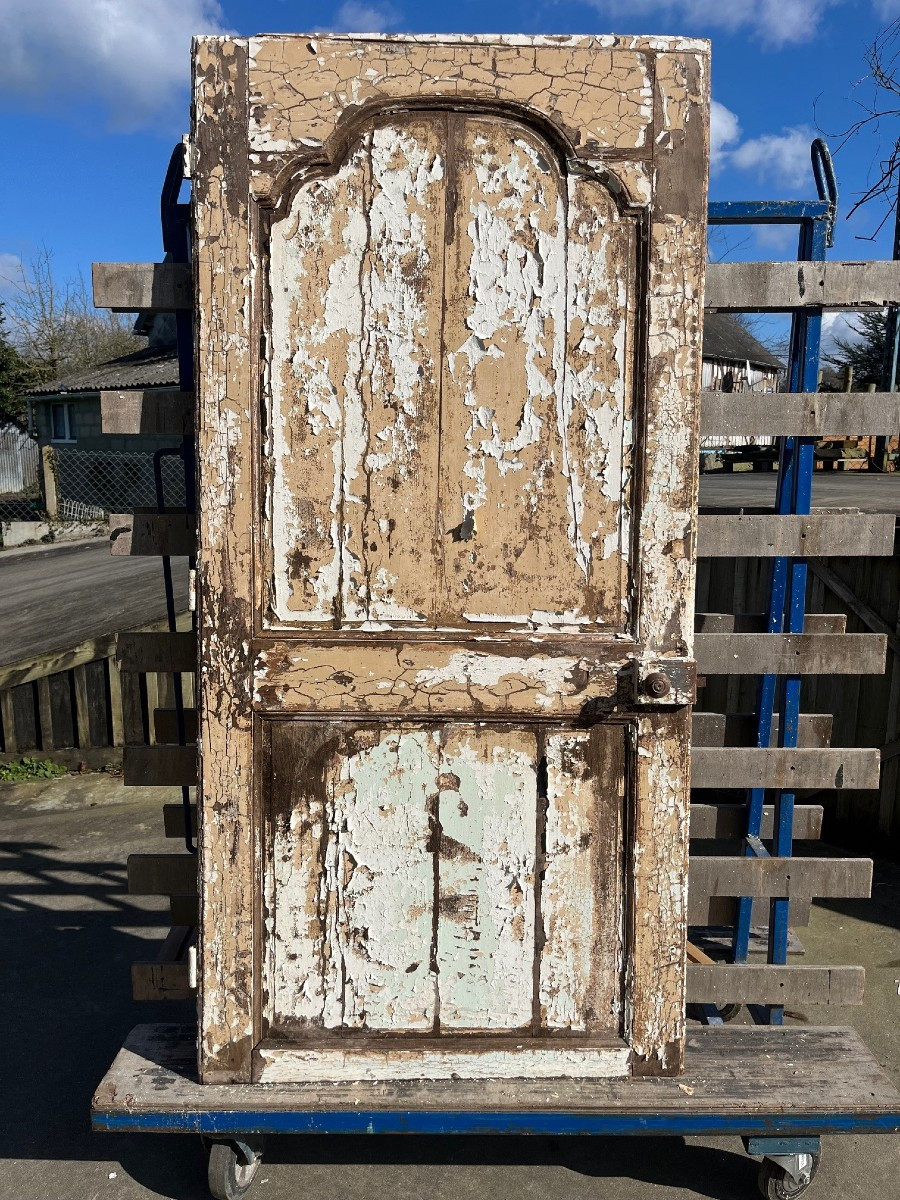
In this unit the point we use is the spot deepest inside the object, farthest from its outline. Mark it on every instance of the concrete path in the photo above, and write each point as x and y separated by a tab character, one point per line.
69	933
56	598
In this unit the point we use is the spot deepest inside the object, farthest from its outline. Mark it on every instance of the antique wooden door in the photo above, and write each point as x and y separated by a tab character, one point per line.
449	294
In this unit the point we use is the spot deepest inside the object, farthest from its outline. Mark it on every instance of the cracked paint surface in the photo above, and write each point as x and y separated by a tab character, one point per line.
451	412
402	890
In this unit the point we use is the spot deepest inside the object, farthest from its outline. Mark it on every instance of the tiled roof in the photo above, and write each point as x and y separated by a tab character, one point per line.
155	366
724	337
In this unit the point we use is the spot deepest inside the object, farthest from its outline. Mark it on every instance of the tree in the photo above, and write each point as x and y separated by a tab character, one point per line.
865	354
16	377
53	324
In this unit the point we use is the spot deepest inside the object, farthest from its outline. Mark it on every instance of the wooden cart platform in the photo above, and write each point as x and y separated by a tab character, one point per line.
743	1080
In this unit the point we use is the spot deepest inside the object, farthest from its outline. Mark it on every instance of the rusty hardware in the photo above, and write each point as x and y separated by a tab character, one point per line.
657	685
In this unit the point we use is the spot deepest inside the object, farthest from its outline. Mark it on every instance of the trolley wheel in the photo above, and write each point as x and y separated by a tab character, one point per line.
232	1168
775	1183
729	1011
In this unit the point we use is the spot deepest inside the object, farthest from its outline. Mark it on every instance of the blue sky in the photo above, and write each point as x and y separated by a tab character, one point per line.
94	94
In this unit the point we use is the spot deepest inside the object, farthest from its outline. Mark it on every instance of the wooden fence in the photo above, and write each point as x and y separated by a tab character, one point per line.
77	706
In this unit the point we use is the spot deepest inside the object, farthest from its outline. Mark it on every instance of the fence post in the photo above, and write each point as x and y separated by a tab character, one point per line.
48	476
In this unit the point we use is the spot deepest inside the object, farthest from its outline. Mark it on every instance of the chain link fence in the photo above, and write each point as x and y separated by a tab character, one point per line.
91	484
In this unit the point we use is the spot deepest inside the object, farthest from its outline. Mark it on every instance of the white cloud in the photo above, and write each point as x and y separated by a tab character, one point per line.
724	131
355	16
778	157
776	237
773	22
132	57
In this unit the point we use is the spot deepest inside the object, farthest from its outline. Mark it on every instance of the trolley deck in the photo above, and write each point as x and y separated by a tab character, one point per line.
742	1080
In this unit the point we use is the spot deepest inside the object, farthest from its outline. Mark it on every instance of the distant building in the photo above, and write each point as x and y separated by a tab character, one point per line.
66	412
734	361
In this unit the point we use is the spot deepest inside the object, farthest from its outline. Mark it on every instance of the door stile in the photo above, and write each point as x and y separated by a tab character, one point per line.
666	529
224	372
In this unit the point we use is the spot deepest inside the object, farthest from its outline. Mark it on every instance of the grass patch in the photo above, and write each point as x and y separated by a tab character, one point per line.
30	768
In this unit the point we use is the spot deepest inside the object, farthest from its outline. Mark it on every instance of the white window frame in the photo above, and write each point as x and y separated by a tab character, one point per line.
68	421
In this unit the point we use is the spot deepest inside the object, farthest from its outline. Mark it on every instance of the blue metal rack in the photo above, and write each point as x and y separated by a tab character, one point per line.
786	609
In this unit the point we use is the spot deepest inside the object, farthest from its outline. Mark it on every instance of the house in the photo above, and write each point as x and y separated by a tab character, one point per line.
66	412
735	361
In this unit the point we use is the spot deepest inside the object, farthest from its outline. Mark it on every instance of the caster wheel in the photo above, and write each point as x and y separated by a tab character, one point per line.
776	1184
729	1011
232	1168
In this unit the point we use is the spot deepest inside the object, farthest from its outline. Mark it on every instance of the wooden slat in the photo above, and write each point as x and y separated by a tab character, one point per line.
151	981
709	821
45	712
159	766
156	651
739	729
783	877
143	287
805	414
818	534
756	623
173	820
781	286
165	722
184	909
8	716
151	533
155	413
116	708
743	767
82	705
790	653
743	983
162	874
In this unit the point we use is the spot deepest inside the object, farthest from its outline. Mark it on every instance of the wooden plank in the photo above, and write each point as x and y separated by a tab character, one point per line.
162	874
709	821
82	705
790	653
739	729
805	414
743	767
159	766
143	287
743	983
782	286
184	909
8	716
757	623
45	712
158	412
223	260
818	534
867	615
804	1079
173	820
165	721
368	860
785	877
146	533
151	981
581	887
116	708
156	651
